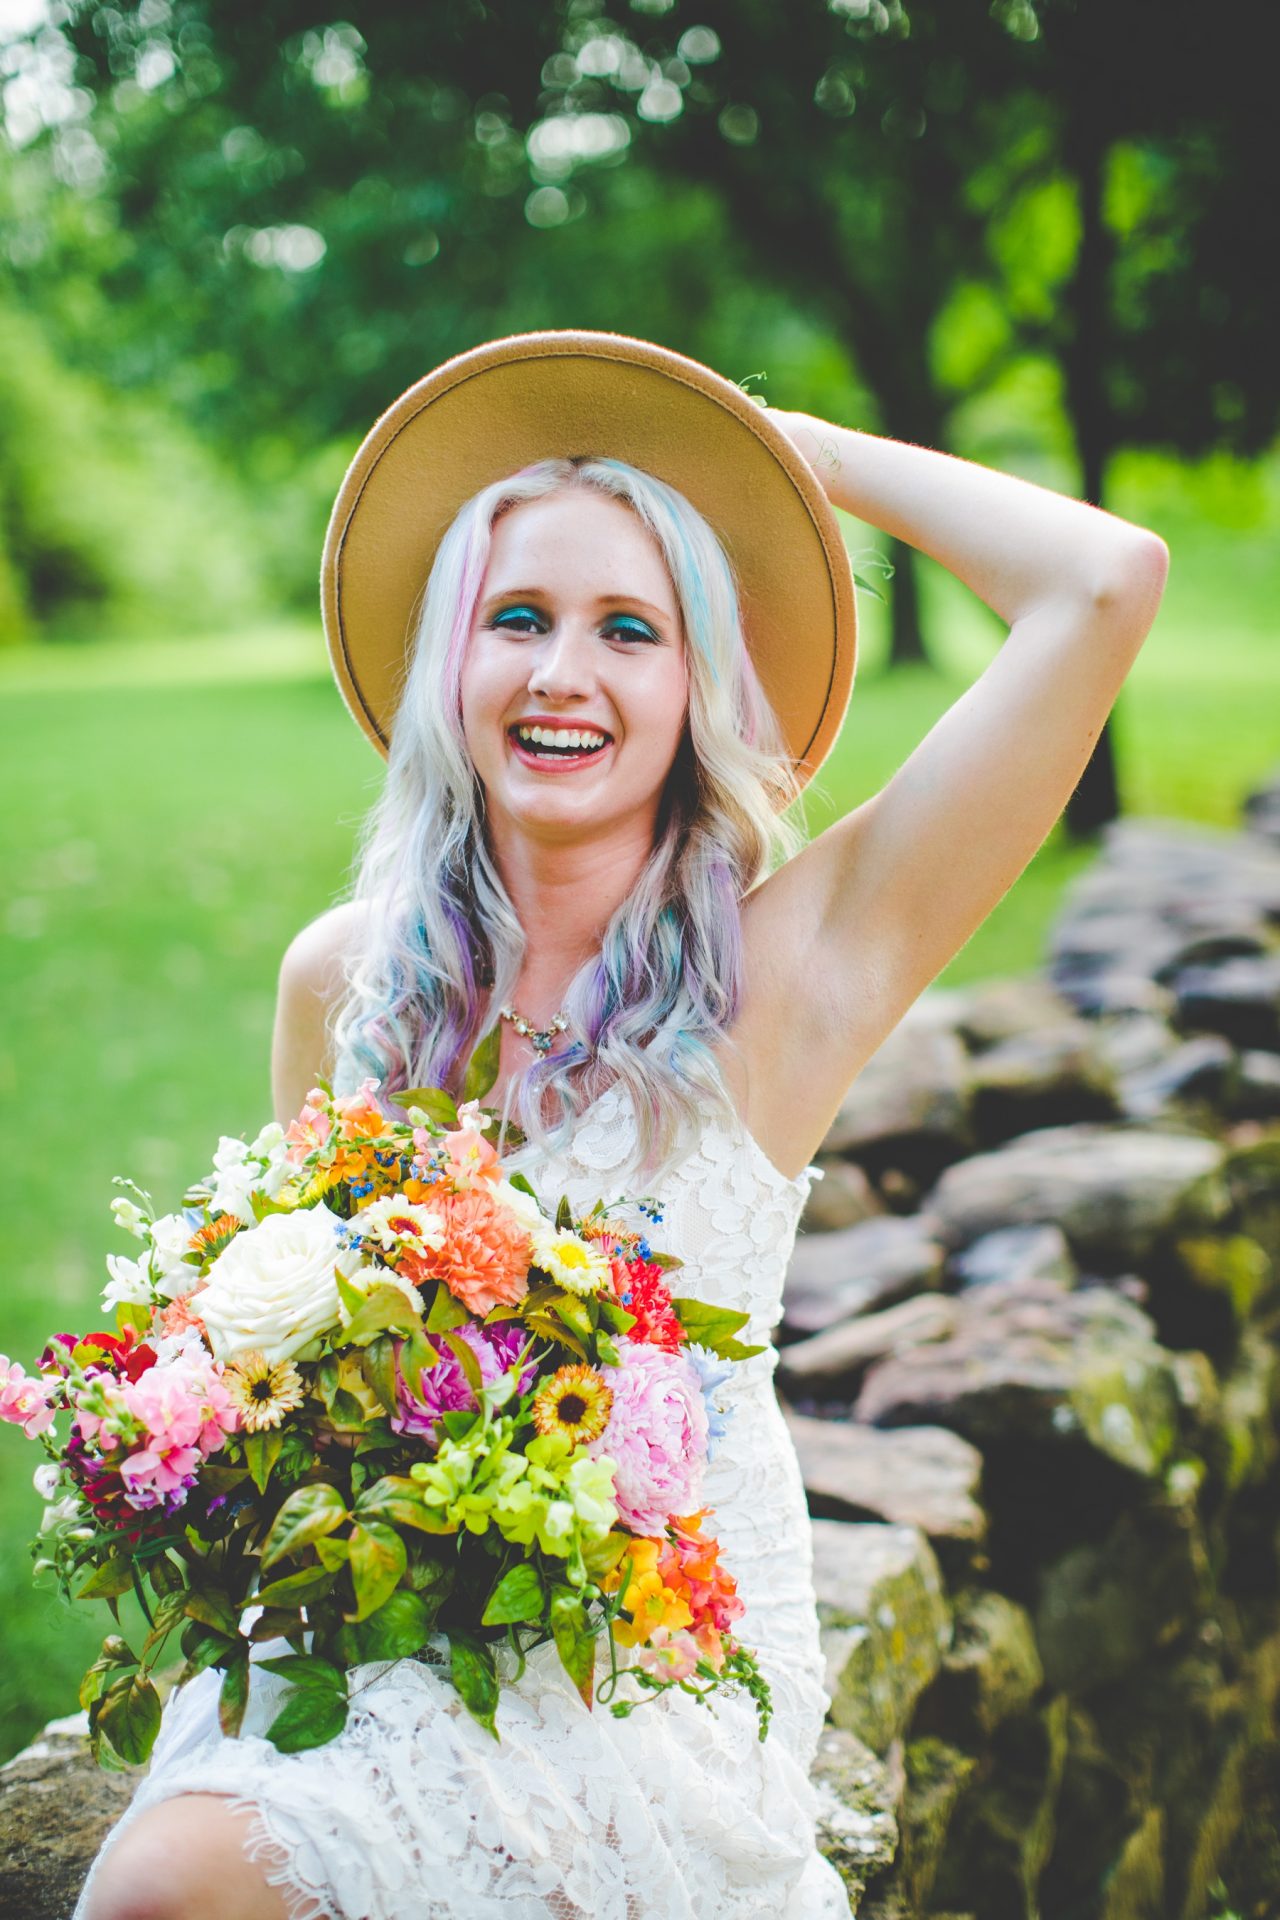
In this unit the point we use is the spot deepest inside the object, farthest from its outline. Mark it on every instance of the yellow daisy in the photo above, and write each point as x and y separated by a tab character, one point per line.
262	1389
567	1259
575	1401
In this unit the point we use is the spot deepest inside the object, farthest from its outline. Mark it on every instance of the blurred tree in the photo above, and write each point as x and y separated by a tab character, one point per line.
284	217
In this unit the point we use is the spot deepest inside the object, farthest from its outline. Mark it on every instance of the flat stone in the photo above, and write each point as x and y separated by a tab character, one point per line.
926	1477
857	1800
1197	1073
1116	1192
999	1010
56	1805
834	1276
1239	998
884	1624
842	1198
909	1102
827	1366
1015	1254
1030	1363
1047	1078
1254	1092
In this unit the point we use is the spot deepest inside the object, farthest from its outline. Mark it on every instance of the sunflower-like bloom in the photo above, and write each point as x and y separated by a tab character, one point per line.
576	1401
263	1390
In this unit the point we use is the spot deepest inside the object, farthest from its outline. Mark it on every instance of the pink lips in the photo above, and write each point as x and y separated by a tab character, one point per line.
554	763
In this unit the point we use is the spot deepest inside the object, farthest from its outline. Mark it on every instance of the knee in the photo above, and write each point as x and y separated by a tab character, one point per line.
182	1860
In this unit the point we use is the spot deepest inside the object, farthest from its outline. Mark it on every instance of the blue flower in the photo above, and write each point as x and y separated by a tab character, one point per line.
712	1374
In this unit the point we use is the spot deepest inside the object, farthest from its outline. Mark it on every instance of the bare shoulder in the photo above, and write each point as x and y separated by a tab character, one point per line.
312	981
313	958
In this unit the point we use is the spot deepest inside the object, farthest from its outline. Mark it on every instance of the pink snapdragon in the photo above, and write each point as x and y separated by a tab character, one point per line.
657	1435
310	1130
178	1410
24	1401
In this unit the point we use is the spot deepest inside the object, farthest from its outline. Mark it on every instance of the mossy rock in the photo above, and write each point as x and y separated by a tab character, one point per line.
937	1775
1002	1832
991	1670
884	1623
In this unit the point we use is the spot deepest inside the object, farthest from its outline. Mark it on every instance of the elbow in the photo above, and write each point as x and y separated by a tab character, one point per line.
1131	583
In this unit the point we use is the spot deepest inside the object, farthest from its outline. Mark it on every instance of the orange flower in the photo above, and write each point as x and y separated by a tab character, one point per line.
647	1598
484	1258
214	1235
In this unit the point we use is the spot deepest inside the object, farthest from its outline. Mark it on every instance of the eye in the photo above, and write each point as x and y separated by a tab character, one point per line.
510	616
633	630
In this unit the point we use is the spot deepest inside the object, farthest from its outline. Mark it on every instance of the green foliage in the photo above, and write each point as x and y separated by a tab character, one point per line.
112	514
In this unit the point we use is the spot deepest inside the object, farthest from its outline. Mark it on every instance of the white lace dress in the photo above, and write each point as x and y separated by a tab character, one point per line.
677	1813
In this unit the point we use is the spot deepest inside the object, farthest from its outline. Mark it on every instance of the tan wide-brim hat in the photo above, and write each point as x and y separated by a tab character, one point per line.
488	412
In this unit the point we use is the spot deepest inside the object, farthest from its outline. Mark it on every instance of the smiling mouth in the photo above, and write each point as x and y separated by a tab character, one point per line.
561	744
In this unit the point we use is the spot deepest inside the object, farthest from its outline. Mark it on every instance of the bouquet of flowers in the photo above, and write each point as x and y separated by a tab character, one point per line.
364	1396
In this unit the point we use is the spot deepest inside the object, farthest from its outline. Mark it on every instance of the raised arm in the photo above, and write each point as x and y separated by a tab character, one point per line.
845	937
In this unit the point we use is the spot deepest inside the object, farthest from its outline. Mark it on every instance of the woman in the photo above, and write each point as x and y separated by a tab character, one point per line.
574	843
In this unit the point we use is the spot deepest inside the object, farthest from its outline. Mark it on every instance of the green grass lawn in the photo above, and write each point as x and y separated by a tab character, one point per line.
171	815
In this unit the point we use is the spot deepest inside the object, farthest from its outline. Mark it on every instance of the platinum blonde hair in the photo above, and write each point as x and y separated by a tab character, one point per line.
441	947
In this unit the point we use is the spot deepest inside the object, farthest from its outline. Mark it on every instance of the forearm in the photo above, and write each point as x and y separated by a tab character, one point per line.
1015	544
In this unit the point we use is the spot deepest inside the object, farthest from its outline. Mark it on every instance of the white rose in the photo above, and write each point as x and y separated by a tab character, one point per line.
274	1286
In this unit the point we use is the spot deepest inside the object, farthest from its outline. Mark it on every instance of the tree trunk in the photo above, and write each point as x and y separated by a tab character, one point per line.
1096	798
906	641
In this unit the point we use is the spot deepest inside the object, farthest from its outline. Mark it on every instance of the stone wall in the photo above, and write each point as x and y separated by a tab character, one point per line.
1032	1368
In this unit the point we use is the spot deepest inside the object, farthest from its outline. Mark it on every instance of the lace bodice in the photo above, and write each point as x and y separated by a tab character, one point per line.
679	1812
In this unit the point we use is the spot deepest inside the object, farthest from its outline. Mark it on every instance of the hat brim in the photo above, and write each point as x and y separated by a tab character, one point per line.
488	412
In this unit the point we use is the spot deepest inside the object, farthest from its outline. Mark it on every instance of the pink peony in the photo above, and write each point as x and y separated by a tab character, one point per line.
23	1401
657	1435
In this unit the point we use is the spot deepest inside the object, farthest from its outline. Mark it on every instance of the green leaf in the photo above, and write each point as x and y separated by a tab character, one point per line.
213	1609
378	1365
349	1294
234	1697
307	1515
606	1351
378	1559
714	1328
564	1215
277	1623
417	1356
129	1715
482	1068
466	1359
296	1588
446	1312
202	1647
332	1554
397	1501
383	1308
164	1576
518	1597
520	1182
216	1479
310	1717
435	1103
397	1630
616	1314
575	1641
261	1451
105	1670
472	1669
307	1670
112	1578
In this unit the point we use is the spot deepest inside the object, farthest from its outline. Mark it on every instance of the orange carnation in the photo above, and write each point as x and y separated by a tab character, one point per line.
484	1257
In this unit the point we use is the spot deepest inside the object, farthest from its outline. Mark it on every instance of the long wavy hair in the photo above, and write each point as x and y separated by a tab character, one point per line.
440	947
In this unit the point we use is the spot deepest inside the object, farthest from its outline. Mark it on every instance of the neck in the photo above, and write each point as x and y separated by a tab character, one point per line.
564	895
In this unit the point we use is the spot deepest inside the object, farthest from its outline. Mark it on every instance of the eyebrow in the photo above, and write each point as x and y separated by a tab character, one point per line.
601	600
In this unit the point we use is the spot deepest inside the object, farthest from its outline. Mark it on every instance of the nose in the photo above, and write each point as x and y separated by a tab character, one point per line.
561	668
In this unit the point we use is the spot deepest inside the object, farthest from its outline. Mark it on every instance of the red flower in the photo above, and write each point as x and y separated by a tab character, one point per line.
642	1291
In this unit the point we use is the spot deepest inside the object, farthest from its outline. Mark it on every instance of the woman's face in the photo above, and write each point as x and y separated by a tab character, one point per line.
574	683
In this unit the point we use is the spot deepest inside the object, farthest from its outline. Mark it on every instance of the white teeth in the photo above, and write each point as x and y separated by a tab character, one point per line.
566	739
